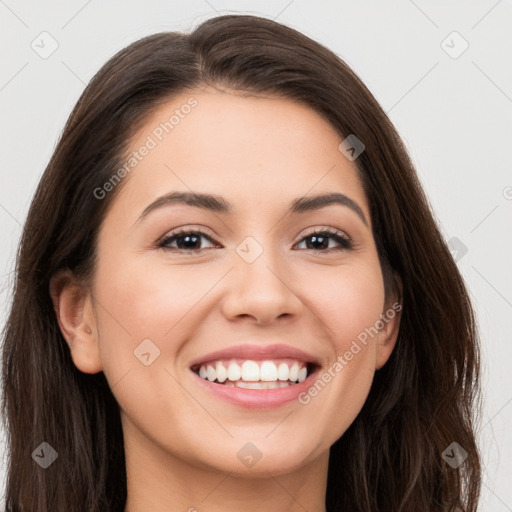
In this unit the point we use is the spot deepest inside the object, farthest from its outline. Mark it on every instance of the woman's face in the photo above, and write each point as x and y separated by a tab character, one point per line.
254	278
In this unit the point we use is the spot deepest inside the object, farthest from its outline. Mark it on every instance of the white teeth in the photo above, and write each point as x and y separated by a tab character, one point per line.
294	372
267	376
268	371
283	372
234	372
210	373
222	373
250	371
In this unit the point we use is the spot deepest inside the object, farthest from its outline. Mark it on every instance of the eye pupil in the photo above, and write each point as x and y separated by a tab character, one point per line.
315	239
187	239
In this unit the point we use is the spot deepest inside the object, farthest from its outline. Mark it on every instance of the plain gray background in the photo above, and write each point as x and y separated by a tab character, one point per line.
452	106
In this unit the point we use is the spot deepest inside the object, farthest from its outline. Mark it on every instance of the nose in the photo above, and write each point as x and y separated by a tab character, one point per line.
263	290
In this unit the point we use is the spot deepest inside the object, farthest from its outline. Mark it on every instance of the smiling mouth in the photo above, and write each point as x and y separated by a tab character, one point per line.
253	374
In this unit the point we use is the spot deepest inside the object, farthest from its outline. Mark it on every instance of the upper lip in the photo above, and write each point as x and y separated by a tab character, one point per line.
259	352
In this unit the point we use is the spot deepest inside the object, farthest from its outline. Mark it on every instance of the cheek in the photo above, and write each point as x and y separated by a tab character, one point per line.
349	305
142	310
348	300
135	303
140	300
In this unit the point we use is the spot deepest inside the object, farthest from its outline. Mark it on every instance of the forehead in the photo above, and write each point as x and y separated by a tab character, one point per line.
249	149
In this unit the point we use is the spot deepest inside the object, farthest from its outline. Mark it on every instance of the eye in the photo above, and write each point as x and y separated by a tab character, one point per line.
188	241
320	239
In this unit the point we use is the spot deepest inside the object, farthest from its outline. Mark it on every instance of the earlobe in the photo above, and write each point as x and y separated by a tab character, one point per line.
73	309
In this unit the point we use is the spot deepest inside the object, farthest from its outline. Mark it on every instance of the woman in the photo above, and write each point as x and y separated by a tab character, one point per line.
231	294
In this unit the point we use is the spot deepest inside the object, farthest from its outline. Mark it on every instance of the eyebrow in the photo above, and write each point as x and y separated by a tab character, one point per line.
218	204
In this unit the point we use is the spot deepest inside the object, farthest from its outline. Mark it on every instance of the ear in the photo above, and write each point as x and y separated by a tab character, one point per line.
73	307
388	334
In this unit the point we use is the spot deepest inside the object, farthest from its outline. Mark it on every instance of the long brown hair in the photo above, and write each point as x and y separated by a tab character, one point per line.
393	456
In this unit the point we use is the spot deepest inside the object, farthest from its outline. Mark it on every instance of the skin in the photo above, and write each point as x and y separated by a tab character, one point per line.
181	442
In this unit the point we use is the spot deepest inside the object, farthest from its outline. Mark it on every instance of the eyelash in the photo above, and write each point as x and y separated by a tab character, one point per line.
343	240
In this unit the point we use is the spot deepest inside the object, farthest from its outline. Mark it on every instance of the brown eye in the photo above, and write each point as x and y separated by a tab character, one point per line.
186	241
321	239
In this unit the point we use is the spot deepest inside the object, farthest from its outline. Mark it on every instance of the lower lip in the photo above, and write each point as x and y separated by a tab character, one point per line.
258	398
